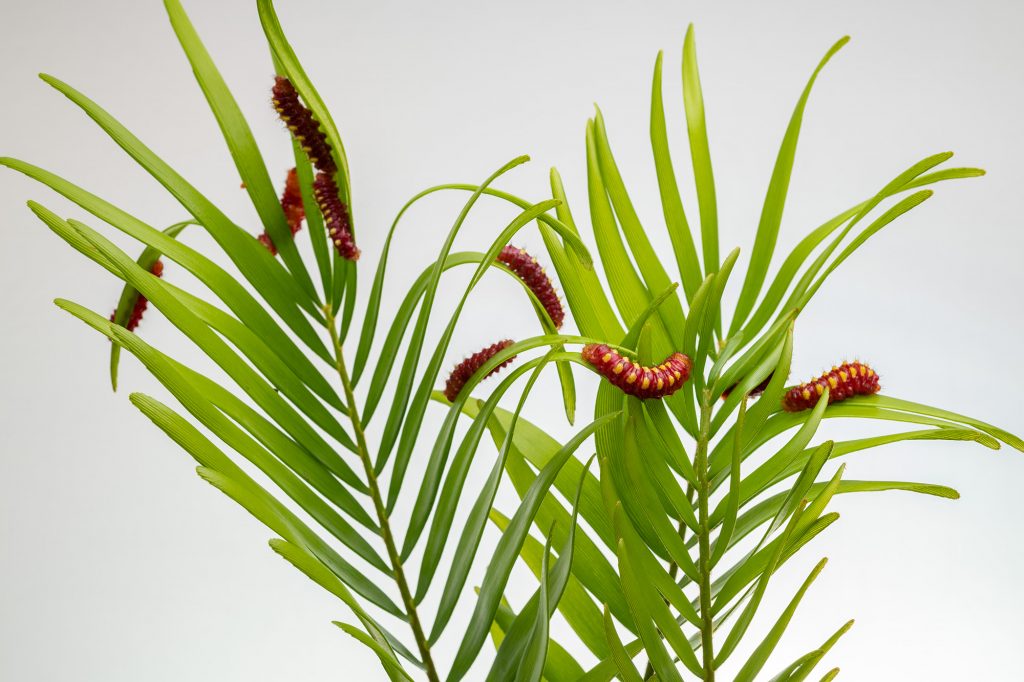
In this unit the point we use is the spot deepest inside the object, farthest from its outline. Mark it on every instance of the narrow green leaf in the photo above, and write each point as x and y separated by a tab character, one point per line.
506	552
265	273
146	260
700	153
771	214
248	160
671	203
760	656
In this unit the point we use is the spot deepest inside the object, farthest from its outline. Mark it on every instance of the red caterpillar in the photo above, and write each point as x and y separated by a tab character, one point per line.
636	380
141	303
294	211
336	219
529	270
845	381
304	127
468	367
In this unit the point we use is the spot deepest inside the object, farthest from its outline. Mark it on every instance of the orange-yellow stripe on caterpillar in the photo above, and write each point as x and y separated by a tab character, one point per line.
633	378
845	381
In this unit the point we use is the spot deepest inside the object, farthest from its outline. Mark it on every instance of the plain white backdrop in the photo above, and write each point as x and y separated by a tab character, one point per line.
118	564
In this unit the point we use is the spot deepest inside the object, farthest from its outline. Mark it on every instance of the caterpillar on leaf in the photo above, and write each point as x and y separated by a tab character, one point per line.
755	392
471	365
529	270
304	127
141	303
294	211
845	381
634	379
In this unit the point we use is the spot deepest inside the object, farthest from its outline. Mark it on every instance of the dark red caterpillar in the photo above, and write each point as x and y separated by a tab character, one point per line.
141	303
845	381
294	211
468	367
304	127
755	392
636	380
336	219
529	270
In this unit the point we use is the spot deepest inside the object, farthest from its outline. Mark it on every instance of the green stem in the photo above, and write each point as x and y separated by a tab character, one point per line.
700	463
378	502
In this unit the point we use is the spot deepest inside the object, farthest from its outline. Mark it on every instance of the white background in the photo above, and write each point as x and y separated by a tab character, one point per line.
117	563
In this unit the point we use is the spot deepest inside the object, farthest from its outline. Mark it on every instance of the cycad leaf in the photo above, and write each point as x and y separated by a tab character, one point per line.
508	549
671	203
251	168
147	259
265	273
760	656
700	154
771	214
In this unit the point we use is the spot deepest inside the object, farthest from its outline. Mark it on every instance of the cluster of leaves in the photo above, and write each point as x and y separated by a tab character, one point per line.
644	553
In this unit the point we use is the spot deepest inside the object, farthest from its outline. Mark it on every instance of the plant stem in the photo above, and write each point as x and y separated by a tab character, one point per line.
378	502
700	463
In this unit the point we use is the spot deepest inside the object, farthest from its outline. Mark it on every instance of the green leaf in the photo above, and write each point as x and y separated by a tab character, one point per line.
916	408
507	550
671	203
584	293
639	604
576	605
700	154
649	577
771	214
653	272
246	378
251	168
560	666
628	291
401	404
387	658
147	259
303	560
289	63
760	656
806	667
739	629
279	471
261	269
444	509
234	295
251	496
623	661
526	641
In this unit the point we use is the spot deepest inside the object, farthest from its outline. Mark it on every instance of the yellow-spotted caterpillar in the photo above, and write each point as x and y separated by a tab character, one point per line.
633	378
468	367
845	381
529	270
304	127
335	212
294	211
141	303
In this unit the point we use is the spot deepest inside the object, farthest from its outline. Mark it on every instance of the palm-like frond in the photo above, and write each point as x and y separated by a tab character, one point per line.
665	564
